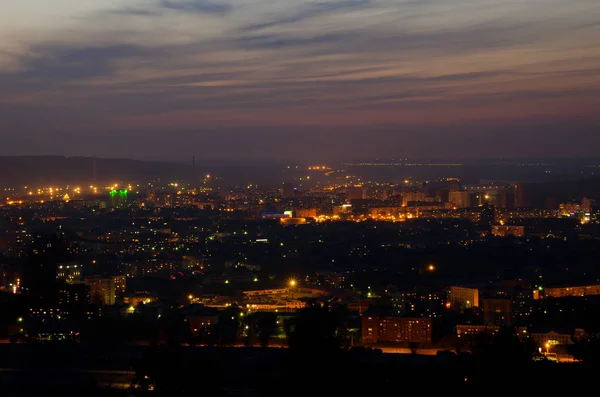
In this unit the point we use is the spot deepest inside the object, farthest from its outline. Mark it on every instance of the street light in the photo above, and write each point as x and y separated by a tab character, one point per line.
292	285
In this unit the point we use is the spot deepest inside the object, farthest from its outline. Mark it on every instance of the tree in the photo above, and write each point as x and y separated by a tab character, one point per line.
501	352
502	348
316	328
414	347
251	327
227	329
174	327
587	349
267	326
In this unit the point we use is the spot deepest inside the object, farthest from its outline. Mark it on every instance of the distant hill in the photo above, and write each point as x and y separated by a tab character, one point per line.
551	194
19	170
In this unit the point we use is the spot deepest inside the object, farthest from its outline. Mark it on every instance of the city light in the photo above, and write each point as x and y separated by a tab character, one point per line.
348	223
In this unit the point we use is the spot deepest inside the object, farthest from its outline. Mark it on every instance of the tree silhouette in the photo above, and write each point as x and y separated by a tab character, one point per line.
316	328
267	326
502	348
173	327
105	332
587	349
228	327
501	352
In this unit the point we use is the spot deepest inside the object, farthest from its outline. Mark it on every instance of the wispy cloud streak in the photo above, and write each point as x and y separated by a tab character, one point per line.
148	64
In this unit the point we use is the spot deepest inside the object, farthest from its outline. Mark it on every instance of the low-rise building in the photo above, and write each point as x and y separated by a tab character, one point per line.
548	338
468	330
563	292
507	230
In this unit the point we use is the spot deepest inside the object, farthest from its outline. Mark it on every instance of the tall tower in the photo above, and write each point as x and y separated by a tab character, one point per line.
118	198
195	182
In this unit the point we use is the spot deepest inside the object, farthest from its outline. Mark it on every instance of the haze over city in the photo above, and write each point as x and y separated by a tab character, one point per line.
313	80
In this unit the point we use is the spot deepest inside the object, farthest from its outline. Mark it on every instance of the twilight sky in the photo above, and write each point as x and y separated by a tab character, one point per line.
312	80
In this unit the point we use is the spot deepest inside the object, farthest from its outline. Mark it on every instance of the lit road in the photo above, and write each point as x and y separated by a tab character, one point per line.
389	350
386	350
403	350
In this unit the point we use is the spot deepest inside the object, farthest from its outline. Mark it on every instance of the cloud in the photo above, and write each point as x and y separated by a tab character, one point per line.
199	6
59	63
279	41
164	65
133	12
308	11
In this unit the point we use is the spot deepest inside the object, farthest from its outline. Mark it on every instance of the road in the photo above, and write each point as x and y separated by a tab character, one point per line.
387	350
402	350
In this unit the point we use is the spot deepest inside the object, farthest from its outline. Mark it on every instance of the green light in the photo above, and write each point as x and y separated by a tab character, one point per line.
121	192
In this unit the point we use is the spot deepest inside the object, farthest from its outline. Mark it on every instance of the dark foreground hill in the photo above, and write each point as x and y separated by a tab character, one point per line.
264	372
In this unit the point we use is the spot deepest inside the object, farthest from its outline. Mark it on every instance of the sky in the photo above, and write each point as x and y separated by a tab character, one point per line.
307	80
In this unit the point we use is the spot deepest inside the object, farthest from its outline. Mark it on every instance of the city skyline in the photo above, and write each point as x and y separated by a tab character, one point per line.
339	79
